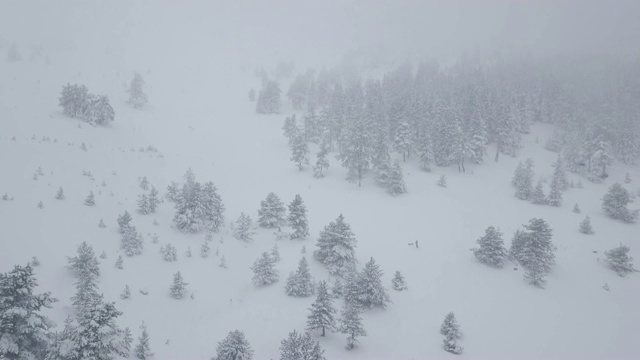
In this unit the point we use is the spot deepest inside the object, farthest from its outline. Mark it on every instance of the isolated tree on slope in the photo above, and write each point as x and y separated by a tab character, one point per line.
73	99
321	160
99	111
336	247
90	200
351	325
300	283
85	264
243	230
272	211
614	204
137	97
264	271
179	287
60	194
323	313
124	221
298	218
491	250
131	242
585	226
234	347
143	204
143	349
619	260
398	282
23	328
451	330
269	98
299	150
300	347
371	291
395	180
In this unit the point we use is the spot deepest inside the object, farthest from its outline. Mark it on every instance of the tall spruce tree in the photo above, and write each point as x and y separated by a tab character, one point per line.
298	218
300	347
618	260
491	250
272	212
351	325
371	291
300	283
264	271
243	230
234	347
451	331
322	313
143	349
336	247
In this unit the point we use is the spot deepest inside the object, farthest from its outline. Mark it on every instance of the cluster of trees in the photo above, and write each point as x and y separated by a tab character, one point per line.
196	205
449	116
523	182
273	214
77	102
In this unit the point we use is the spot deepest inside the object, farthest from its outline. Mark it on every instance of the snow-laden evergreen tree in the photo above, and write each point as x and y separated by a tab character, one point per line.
223	262
272	212
73	99
205	250
614	204
137	97
355	152
98	110
119	262
403	140
351	289
128	340
559	179
144	183
523	180
321	160
425	151
169	253
212	207
372	292
264	271
618	260
143	204
313	128
131	242
585	226
90	200
395	180
491	250
290	128
275	253
188	217
298	218
600	158
336	247
269	98
126	293
398	282
447	136
172	191
234	347
537	195
322	312
179	287
576	209
85	265
555	194
40	205
23	327
442	181
337	289
153	200
60	194
534	250
627	178
124	221
299	150
451	331
300	347
351	325
143	349
244	228
300	283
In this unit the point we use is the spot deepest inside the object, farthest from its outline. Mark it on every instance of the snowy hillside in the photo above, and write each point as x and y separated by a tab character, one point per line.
199	117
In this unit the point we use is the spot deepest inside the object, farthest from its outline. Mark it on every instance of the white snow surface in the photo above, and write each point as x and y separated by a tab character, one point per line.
199	69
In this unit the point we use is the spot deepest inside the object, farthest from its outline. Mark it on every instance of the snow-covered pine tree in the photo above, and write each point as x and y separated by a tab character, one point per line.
491	250
90	200
300	347
298	218
40	205
188	205
538	197
300	283
272	212
179	287
137	97
124	221
337	289
85	265
60	194
351	325
585	226
614	204
143	349
555	194
169	253
336	247
312	127
538	254
618	260
212	207
119	262
398	282
451	330
144	183
322	312
252	95
442	181
73	99
205	250
321	160
372	292
98	110
223	262
290	128
131	242
403	140
243	230
234	347
126	293
23	327
627	178
299	150
424	150
172	191
576	209
395	180
523	180
269	98
143	204
355	152
264	271
153	200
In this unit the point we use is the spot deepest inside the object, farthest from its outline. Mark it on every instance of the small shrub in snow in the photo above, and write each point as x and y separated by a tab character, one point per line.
205	250
119	262
264	271
234	347
398	282
90	200
223	262
243	230
576	209
451	331
34	262
618	260
60	194
627	178
103	255
155	238
188	252
442	182
169	253
40	205
614	204
179	287
144	183
126	293
585	226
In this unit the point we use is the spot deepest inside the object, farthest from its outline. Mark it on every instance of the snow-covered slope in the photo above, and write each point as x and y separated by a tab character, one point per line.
199	117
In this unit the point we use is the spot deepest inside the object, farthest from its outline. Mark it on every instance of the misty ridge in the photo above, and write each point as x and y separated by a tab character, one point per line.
311	180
